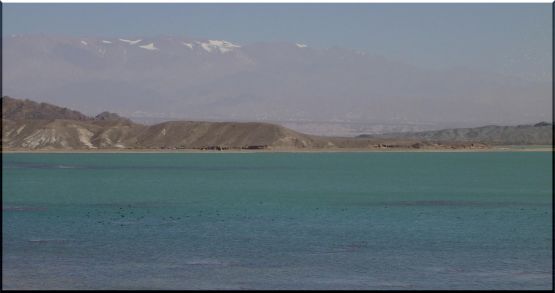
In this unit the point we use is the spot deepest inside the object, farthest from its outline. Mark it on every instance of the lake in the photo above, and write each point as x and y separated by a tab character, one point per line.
378	220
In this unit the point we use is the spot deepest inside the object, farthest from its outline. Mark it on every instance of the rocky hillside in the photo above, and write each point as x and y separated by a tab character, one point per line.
30	125
194	134
537	134
15	109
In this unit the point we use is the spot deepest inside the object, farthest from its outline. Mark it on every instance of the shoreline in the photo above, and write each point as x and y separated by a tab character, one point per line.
289	150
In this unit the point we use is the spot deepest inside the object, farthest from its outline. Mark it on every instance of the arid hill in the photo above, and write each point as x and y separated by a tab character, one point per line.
30	125
27	125
15	109
537	134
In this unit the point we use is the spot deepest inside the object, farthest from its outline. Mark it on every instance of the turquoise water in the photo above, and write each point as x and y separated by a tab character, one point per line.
278	221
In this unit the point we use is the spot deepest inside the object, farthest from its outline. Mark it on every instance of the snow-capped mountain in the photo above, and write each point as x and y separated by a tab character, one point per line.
190	78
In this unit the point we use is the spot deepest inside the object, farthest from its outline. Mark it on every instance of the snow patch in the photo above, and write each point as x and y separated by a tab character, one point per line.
149	47
222	46
106	42
206	47
131	42
84	43
188	45
301	45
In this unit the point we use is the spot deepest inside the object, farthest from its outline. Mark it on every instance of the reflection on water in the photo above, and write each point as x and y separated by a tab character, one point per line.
29	165
8	208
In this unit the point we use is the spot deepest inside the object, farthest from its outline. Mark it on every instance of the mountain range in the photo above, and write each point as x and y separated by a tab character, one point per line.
171	77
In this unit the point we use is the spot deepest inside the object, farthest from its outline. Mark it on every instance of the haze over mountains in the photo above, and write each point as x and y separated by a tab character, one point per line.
201	79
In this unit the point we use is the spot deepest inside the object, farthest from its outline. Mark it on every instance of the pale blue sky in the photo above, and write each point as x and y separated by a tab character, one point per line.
512	39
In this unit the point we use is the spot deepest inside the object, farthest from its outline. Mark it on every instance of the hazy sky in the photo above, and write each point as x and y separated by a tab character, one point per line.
513	39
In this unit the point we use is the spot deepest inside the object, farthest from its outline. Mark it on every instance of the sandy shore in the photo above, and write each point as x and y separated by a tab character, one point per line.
296	150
